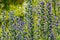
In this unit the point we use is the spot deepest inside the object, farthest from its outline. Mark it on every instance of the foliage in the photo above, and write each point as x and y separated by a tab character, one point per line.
29	20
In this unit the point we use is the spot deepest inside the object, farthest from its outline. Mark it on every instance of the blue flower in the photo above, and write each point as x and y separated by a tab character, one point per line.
11	12
42	3
55	17
3	27
56	24
59	21
22	23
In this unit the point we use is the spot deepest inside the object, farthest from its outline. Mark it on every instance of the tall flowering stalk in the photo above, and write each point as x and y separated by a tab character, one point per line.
51	34
11	28
42	22
20	27
3	25
31	27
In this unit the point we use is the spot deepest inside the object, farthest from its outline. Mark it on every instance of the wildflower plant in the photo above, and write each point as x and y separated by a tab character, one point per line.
29	20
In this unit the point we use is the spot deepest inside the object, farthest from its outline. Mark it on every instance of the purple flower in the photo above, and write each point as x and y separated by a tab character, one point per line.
3	27
12	18
15	27
22	23
59	21
25	32
11	12
55	17
19	19
56	24
42	3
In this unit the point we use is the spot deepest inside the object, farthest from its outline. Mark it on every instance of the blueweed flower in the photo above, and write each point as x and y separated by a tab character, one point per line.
55	17
56	24
12	18
11	12
25	33
3	27
42	3
22	23
49	8
42	8
14	26
19	20
59	21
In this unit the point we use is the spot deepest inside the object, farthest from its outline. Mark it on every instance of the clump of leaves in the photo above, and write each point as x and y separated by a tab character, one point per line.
8	2
58	37
20	1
